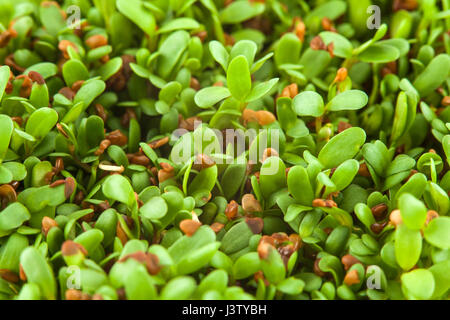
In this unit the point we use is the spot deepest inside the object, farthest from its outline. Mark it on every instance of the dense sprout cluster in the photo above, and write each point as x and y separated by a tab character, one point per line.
118	180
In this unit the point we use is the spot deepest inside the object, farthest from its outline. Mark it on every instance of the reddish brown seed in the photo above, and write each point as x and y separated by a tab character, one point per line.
409	5
9	276
293	90
101	112
97	296
22	274
103	146
341	75
265	117
159	143
25	89
256	224
445	101
296	241
57	183
269	152
300	30
10	62
36	77
120	233
229	40
73	294
348	261
47	224
317	270
71	248
327	24
202	35
96	41
63	45
67	92
59	164
363	170
15	184
217	226
231	210
351	278
395	218
379	211
378	227
317	203
5	38
249	115
431	214
150	260
259	275
250	203
317	44
8	192
70	187
117	138
194	84
140	160
264	248
342	126
166	167
189	227
203	161
77	85
330	49
189	123
152	263
279	238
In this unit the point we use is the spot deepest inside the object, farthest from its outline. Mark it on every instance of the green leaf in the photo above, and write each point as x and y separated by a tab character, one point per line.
438	232
41	122
348	100
408	246
179	23
434	74
261	89
180	288
117	187
155	208
291	286
239	11
342	147
413	211
345	174
13	216
418	284
238	78
441	277
6	130
171	51
342	47
308	103
134	11
4	78
38	271
219	53
379	53
272	176
288	50
74	70
89	91
208	97
246	265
